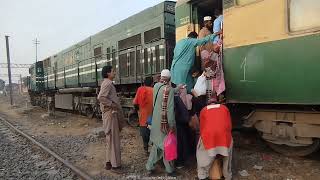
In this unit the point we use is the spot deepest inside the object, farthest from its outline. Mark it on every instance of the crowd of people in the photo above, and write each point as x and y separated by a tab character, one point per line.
187	101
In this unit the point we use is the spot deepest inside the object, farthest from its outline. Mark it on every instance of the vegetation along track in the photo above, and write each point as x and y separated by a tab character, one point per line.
30	163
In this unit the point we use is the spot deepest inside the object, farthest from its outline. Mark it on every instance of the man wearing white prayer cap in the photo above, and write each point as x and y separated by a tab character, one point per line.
163	121
207	18
205	31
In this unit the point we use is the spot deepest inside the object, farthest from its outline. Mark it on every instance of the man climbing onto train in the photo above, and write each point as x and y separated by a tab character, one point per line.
143	102
217	24
215	140
184	57
206	50
113	119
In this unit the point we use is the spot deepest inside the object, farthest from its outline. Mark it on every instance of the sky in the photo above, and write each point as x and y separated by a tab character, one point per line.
56	24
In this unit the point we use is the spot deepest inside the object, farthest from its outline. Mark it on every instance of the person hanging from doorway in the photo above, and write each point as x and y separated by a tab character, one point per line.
206	51
218	82
217	27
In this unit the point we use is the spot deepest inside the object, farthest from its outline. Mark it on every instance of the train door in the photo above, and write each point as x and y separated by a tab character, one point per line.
154	57
127	66
139	64
199	10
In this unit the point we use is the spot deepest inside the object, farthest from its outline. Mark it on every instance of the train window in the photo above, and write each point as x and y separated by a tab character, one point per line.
138	61
151	35
123	62
244	2
304	14
130	42
145	58
108	53
157	54
97	52
132	60
113	56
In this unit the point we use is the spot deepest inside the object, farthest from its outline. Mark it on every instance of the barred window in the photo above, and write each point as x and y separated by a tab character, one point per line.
130	42
304	14
97	52
151	35
108	53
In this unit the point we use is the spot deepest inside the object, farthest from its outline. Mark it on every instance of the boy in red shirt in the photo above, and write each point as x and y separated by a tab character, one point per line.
143	102
215	139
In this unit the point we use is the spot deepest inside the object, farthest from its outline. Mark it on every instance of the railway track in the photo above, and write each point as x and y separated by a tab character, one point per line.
25	158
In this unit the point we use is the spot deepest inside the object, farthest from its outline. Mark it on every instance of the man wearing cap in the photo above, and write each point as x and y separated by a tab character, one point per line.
205	31
163	121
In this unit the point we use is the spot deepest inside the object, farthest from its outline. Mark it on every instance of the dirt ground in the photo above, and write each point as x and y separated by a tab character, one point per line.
70	135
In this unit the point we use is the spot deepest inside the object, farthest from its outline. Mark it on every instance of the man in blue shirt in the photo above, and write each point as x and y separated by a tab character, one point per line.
217	24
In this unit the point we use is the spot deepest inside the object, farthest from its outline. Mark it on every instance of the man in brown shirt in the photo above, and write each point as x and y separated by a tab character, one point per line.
205	31
112	117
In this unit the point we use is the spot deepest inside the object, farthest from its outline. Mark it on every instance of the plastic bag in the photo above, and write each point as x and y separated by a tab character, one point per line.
201	87
170	147
149	120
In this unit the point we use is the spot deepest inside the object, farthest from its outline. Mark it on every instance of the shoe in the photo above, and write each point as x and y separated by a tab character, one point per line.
150	173
180	166
196	178
108	166
146	150
116	170
173	174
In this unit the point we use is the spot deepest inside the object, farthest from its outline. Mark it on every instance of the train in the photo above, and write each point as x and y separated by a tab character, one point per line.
270	61
2	84
139	46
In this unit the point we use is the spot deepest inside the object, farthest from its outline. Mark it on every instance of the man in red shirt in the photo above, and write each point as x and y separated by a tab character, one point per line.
215	139
143	102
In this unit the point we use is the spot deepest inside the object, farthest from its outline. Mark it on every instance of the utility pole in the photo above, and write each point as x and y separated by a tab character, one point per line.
36	42
9	69
21	83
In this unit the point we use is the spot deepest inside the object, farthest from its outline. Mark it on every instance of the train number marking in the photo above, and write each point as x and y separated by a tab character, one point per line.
244	67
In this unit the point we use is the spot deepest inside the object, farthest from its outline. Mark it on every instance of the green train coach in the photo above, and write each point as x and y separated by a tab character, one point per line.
271	61
139	46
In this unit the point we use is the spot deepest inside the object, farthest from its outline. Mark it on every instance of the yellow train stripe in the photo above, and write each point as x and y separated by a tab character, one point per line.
254	23
259	22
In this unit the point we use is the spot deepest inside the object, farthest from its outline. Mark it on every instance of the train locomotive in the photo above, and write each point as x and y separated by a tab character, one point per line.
139	46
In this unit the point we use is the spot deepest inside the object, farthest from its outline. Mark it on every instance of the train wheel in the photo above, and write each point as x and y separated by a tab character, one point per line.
133	119
89	112
296	151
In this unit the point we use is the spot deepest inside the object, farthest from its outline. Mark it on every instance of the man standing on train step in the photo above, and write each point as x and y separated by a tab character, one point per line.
205	31
112	117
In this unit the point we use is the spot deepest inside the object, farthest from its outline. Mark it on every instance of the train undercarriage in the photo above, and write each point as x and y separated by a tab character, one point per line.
80	101
287	130
290	130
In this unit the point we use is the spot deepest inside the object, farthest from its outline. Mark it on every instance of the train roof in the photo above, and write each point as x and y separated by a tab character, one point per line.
180	2
128	22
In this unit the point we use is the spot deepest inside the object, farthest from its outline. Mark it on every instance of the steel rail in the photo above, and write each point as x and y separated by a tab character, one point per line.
76	170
